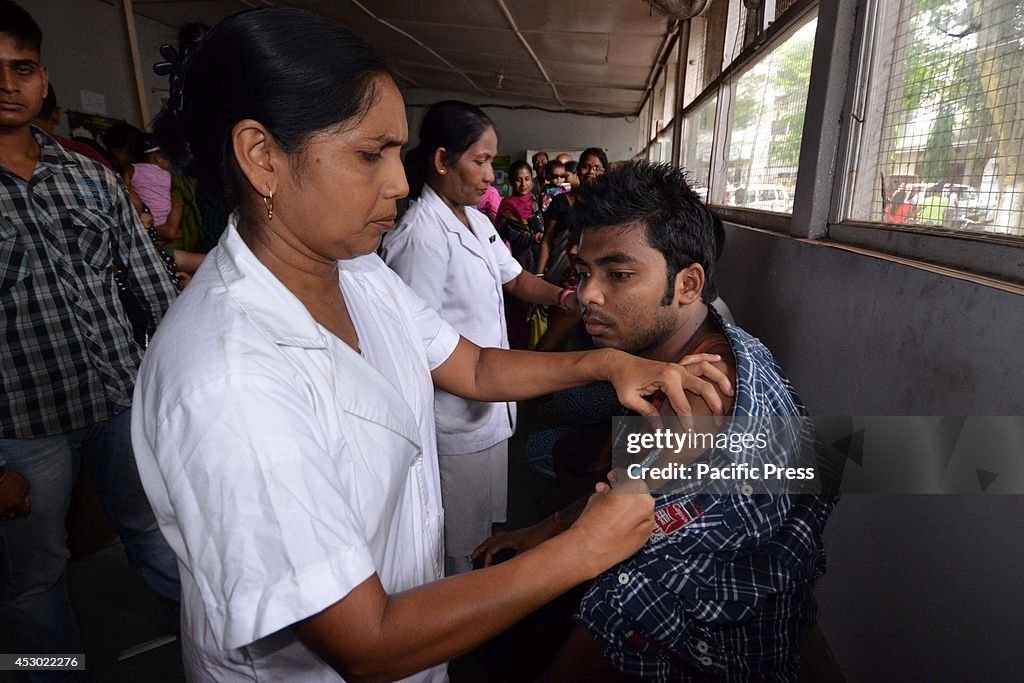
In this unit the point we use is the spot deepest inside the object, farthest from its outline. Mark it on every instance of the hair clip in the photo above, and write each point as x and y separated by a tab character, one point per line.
173	67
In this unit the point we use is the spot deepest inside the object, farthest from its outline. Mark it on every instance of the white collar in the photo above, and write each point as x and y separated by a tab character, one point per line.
269	304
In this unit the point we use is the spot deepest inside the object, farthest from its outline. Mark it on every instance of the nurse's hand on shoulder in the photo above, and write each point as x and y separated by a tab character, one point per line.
616	522
635	378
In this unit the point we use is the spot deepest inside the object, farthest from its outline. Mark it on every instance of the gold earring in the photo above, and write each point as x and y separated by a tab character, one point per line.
269	203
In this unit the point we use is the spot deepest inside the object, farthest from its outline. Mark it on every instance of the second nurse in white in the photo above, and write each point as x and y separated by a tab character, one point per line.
450	255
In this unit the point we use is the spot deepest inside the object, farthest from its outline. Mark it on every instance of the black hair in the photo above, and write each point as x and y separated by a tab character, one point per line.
49	104
450	124
518	166
294	72
124	135
570	166
551	166
595	152
657	198
189	36
17	22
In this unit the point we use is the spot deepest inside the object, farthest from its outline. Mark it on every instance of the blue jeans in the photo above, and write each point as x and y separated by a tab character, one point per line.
37	614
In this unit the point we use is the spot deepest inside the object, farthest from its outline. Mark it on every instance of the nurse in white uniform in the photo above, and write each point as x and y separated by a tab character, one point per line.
451	256
283	414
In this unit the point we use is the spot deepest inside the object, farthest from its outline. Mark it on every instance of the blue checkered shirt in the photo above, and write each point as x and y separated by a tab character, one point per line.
68	359
729	594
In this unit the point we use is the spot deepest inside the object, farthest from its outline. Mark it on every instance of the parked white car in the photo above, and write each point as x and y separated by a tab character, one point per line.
764	197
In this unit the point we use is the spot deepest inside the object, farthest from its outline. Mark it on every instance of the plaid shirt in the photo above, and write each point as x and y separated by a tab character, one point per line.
68	358
725	590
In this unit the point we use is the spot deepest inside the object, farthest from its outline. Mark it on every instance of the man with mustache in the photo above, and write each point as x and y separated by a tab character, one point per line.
724	589
68	364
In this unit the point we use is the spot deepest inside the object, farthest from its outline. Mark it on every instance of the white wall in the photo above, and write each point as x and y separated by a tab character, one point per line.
519	130
85	47
919	588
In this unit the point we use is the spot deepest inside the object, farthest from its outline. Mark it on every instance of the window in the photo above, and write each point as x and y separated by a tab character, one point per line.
695	76
780	8
901	132
764	124
698	133
942	120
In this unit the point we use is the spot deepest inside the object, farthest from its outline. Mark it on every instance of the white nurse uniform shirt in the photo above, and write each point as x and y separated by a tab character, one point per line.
459	273
284	467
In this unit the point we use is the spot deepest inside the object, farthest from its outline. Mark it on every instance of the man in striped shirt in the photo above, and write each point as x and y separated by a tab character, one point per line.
68	359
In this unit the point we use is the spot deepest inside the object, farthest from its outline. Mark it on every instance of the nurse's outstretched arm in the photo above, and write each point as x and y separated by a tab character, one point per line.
372	636
501	375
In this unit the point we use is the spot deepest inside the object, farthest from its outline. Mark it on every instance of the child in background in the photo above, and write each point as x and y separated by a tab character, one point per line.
151	178
556	184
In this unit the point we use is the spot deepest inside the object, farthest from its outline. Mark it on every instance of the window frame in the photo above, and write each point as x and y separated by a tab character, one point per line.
773	33
995	255
838	88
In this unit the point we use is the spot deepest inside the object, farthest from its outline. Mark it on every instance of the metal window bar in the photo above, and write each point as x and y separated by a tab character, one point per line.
949	154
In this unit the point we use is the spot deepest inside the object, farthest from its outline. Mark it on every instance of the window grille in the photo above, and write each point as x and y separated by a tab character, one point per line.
946	101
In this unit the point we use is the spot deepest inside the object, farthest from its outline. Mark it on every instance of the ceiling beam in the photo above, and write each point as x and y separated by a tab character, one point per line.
402	77
416	40
521	78
522	39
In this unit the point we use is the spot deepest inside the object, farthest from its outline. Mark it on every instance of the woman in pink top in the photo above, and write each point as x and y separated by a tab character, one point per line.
488	205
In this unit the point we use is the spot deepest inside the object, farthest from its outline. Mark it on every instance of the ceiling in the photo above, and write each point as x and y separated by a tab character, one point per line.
592	55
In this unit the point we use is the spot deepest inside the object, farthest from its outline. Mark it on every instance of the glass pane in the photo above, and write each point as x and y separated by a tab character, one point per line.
695	80
947	96
736	30
715	21
698	132
645	125
658	104
765	124
671	72
667	144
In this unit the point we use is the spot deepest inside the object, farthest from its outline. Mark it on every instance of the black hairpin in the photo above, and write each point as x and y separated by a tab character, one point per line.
173	67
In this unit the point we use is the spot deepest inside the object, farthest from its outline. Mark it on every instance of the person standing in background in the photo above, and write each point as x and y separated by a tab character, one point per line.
539	161
69	363
560	216
520	222
48	119
452	257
